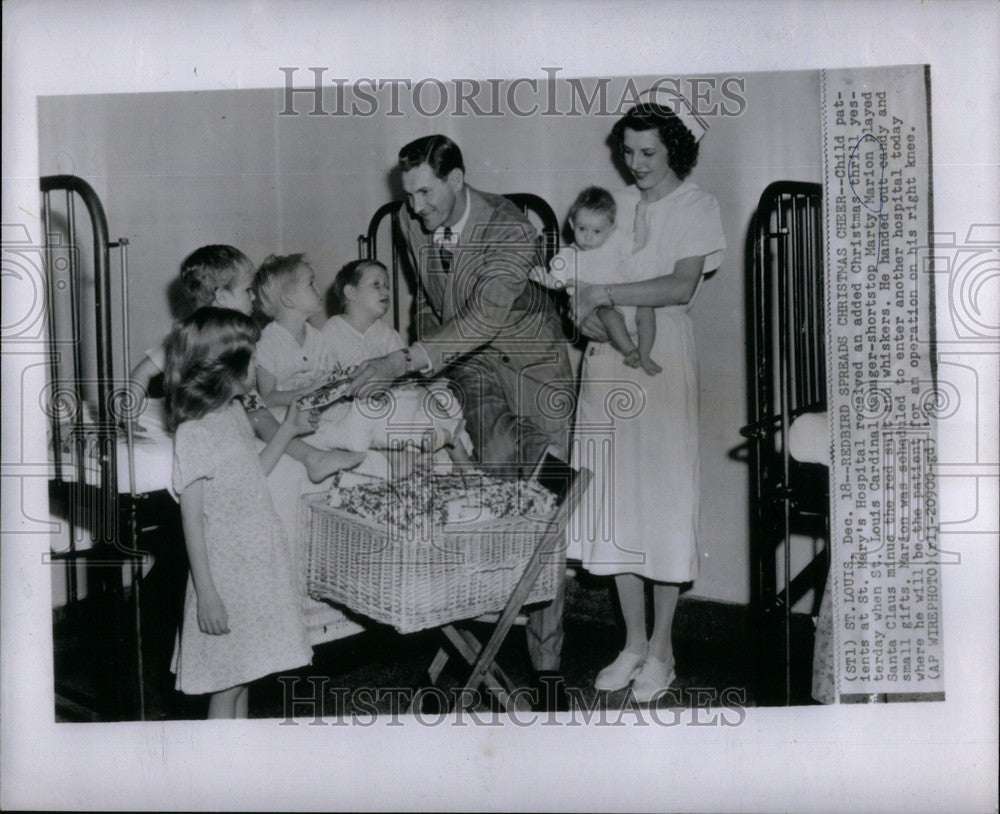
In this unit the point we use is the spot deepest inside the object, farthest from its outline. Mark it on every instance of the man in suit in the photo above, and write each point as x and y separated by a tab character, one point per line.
494	333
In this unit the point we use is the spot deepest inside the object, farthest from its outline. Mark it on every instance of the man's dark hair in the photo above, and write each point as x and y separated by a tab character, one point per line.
438	152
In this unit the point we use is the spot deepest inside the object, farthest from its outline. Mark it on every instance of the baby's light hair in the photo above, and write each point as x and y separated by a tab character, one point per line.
274	279
594	199
352	274
210	268
208	355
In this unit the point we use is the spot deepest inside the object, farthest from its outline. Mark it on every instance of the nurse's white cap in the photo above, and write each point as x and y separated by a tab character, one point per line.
671	99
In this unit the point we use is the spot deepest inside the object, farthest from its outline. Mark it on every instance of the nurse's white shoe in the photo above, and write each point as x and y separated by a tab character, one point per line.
655	678
619	674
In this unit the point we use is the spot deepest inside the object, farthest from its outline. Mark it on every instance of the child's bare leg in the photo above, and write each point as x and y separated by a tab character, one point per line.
319	463
645	323
223	704
614	324
459	457
243	702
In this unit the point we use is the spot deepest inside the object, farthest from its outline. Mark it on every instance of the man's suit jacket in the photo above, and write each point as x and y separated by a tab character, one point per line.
486	303
497	332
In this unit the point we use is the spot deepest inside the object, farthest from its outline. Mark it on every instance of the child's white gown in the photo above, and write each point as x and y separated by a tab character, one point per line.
638	434
402	414
248	558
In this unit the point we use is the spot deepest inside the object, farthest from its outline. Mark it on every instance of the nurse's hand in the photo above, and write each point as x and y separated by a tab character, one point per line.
592	328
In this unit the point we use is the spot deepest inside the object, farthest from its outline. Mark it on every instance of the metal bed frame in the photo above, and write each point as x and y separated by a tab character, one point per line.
107	623
786	362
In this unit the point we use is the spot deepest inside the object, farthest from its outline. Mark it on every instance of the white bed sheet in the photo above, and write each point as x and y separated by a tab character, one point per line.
809	438
152	454
288	482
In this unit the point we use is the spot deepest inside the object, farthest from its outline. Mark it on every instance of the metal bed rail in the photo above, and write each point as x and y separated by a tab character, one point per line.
91	439
95	509
787	370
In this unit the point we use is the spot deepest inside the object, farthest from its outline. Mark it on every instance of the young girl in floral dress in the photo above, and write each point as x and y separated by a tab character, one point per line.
242	615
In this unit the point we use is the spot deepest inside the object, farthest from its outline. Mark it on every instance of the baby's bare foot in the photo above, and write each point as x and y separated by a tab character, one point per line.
324	463
649	366
631	359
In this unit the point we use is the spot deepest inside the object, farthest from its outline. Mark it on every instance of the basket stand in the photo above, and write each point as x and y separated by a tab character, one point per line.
482	659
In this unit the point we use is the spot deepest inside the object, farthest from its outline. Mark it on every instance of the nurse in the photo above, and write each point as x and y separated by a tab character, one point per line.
639	520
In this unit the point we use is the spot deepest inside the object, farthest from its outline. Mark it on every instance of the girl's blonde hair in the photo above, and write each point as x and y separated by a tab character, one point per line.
273	279
208	356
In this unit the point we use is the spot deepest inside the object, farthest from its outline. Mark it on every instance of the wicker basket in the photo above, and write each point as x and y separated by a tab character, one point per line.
453	572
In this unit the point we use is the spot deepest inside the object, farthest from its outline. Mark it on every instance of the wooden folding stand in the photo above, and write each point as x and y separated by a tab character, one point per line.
570	484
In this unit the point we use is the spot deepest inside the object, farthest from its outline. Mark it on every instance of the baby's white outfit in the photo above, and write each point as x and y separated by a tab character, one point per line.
605	265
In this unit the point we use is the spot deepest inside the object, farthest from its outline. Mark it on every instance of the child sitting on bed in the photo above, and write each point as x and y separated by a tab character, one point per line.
358	334
221	276
211	275
292	356
242	614
597	258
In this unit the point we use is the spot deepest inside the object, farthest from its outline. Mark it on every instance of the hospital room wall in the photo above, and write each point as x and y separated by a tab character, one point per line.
176	171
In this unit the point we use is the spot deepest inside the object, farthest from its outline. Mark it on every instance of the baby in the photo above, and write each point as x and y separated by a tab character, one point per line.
597	258
358	332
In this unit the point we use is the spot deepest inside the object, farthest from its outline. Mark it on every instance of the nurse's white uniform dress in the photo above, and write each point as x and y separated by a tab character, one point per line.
638	434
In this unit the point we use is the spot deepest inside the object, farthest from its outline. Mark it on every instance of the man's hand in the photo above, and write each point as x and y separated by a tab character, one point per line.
380	371
585	301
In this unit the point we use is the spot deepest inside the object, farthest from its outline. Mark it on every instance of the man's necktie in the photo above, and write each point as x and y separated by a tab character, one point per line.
445	252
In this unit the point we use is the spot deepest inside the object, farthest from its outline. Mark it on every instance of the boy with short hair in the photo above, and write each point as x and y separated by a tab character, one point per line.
216	275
